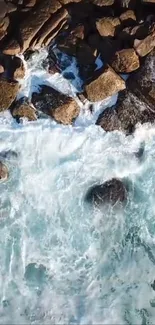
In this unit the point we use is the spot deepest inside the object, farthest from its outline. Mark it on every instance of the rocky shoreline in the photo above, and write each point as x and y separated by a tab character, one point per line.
119	32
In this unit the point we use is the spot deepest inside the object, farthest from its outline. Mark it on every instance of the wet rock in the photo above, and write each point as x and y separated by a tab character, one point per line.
108	120
112	191
18	68
4	173
23	109
131	33
79	32
8	92
30	3
105	83
60	107
125	61
145	46
8	154
107	26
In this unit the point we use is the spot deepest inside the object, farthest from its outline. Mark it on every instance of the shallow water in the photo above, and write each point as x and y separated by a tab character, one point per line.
62	261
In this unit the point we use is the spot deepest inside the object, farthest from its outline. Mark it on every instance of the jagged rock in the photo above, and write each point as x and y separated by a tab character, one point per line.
112	191
8	92
131	33
128	15
60	107
1	69
51	28
4	24
105	83
102	3
108	120
145	46
24	110
107	26
31	26
4	173
125	61
30	3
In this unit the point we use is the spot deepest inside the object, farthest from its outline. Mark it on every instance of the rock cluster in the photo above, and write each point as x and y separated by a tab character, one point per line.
120	32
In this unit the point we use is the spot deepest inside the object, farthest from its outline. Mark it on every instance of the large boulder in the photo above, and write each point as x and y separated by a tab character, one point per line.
106	82
125	61
8	92
112	191
60	107
108	120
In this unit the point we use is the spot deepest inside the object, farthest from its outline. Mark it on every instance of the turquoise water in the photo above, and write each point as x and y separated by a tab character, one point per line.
62	261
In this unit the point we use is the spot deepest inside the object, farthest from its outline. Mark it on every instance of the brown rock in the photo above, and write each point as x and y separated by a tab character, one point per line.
107	26
4	24
31	26
60	107
19	69
4	173
84	53
30	3
104	84
65	2
79	32
50	26
24	110
148	1
125	61
128	15
108	120
3	9
102	3
145	46
8	92
12	48
1	69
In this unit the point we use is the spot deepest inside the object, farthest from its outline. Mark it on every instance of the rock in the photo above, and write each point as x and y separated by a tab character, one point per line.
52	26
138	31
1	69
112	191
4	173
65	2
148	1
128	17
104	84
79	32
60	107
19	69
23	109
4	24
145	46
108	120
3	9
125	61
102	3
31	26
30	3
84	53
8	92
107	26
142	83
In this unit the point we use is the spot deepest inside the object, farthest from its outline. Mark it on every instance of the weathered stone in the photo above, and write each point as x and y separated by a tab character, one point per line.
125	61
4	173
31	26
112	191
21	110
4	24
108	120
8	92
60	107
145	46
107	26
3	9
30	3
12	48
105	83
51	26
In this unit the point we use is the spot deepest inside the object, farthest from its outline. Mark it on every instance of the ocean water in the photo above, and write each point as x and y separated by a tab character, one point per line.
62	261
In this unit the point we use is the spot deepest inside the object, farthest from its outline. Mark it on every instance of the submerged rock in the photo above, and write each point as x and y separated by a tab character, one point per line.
62	108
4	173
112	191
8	92
106	82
